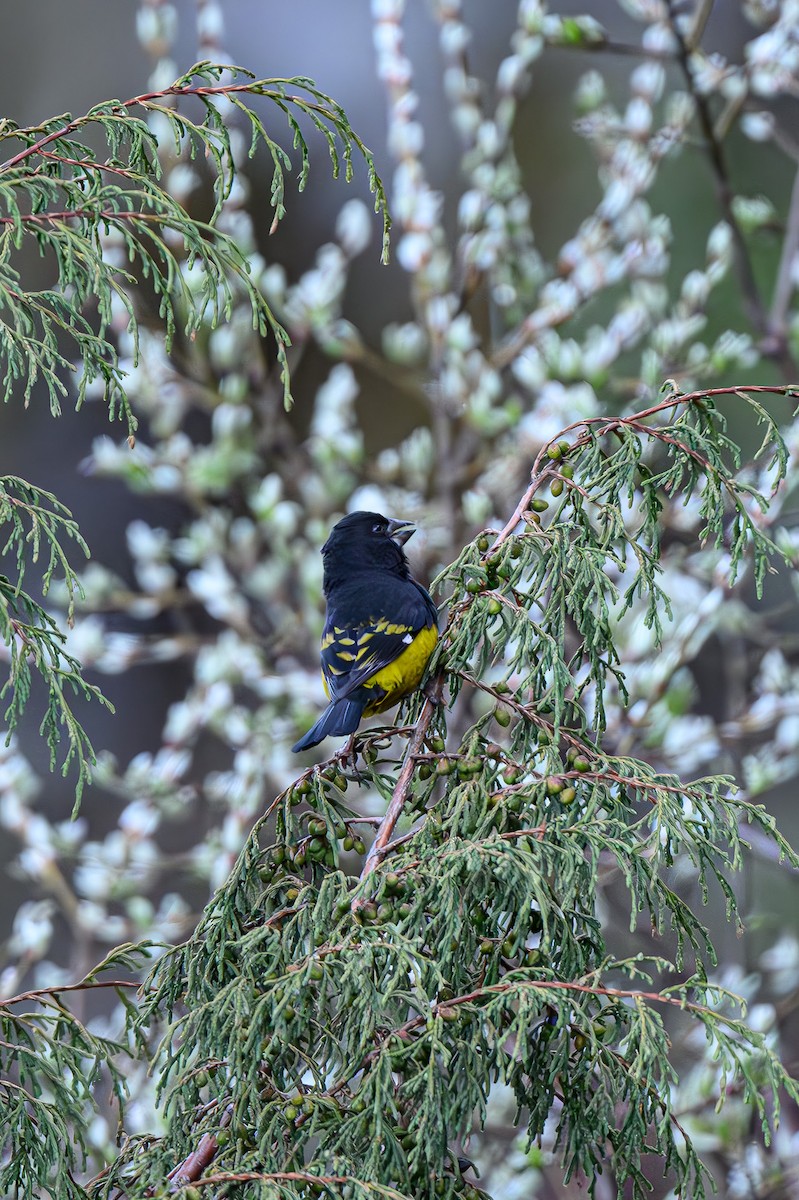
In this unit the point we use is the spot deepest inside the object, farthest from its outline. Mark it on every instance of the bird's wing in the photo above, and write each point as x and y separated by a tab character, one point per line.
353	653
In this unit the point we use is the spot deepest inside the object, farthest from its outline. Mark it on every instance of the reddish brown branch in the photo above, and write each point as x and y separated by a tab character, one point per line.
193	1165
96	214
544	467
52	992
402	786
254	87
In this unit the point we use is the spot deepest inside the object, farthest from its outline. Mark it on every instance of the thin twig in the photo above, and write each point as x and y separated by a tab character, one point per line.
543	468
753	303
775	345
784	287
699	23
402	786
86	985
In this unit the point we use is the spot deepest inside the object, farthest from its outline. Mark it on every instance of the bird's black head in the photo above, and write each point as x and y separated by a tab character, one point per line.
365	541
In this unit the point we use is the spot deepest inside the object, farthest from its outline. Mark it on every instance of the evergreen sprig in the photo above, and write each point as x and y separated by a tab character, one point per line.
52	1068
37	526
108	224
353	1029
75	202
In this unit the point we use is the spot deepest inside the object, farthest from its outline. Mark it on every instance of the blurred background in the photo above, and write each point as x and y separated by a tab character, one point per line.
425	386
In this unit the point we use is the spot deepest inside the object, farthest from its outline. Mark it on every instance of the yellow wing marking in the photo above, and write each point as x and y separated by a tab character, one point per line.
386	626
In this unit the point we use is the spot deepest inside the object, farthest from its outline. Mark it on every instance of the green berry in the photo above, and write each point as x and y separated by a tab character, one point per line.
468	767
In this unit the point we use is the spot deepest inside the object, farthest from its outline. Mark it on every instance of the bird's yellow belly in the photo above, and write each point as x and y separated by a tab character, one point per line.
403	674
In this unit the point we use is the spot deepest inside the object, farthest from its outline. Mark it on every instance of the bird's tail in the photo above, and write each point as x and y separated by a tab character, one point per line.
339	718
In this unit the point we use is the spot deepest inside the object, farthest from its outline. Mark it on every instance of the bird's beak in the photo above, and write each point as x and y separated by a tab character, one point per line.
400	531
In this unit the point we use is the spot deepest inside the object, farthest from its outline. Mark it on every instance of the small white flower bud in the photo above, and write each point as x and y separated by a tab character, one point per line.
719	243
758	126
354	227
638	117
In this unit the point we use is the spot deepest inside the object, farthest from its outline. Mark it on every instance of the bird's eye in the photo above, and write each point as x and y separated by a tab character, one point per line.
378	527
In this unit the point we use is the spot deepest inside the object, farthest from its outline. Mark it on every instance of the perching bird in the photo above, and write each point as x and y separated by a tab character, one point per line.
381	625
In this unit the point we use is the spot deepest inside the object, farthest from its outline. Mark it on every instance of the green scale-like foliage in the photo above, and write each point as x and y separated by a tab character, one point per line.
59	192
337	1036
52	1069
75	187
36	526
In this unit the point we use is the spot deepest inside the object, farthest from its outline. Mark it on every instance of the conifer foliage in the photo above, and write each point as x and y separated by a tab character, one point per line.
332	1036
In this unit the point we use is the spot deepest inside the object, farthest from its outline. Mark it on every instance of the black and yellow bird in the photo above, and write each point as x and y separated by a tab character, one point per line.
381	625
